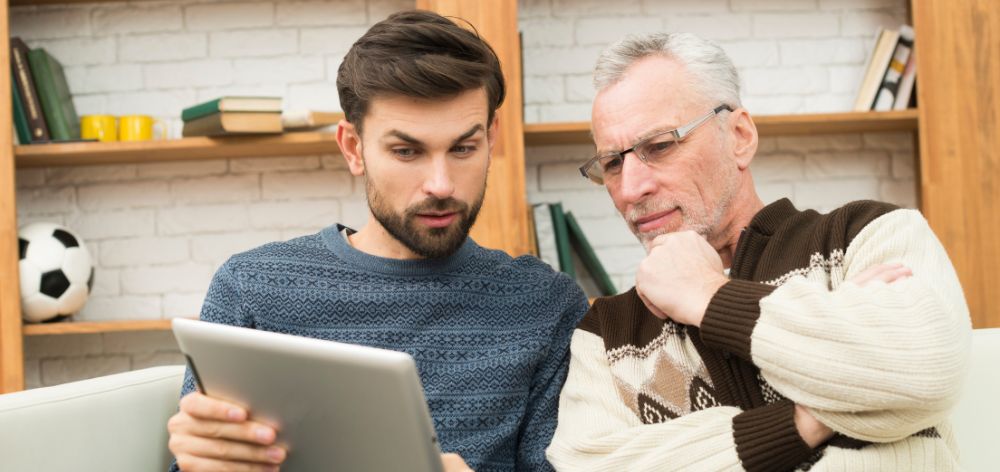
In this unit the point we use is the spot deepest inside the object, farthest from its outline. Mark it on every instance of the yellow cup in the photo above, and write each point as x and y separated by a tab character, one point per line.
140	128
103	128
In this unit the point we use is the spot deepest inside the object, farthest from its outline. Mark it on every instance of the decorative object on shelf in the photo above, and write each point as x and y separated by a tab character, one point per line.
54	95
24	86
232	104
888	80
56	272
233	116
140	128
103	128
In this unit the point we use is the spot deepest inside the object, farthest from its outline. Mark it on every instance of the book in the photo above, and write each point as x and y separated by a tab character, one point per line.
563	247
545	236
886	97
878	63
532	240
589	257
906	83
230	104
230	123
308	119
22	130
54	95
25	86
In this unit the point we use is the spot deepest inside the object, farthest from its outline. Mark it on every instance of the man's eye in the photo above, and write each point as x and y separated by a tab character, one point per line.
405	153
463	149
659	148
611	164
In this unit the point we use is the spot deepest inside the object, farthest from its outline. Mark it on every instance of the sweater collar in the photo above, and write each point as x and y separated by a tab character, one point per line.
334	240
771	217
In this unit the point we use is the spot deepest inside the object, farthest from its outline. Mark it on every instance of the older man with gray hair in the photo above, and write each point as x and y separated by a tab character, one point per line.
757	337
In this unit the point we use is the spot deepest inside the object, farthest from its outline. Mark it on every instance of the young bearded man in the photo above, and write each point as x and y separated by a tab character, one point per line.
833	342
490	334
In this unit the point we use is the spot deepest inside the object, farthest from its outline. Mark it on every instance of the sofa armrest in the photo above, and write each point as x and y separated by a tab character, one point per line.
112	423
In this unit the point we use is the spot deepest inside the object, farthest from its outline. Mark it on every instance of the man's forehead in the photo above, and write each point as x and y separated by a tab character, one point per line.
652	96
435	117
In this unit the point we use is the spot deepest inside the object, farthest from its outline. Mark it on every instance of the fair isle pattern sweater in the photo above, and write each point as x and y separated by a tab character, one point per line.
880	364
490	334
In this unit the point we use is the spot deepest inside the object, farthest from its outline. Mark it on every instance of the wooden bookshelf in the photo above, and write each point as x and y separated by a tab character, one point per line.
541	134
90	327
80	154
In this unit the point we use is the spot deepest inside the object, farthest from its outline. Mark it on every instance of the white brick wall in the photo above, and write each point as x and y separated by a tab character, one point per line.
159	230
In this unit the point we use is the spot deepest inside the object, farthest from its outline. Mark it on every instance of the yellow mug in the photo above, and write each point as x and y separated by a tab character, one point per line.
140	128
103	128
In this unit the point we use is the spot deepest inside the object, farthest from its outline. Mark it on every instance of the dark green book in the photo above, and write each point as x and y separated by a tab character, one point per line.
53	93
20	117
589	257
562	239
230	104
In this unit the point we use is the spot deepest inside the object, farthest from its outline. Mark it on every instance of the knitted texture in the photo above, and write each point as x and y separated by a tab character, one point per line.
880	364
489	334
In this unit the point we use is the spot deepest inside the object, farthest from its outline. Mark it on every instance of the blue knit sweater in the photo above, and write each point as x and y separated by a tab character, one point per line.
490	334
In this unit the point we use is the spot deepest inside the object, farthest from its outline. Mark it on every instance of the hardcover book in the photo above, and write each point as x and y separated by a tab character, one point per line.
233	123
54	95
25	86
231	104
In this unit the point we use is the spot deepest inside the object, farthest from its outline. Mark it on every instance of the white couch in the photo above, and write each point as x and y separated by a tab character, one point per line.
118	423
109	424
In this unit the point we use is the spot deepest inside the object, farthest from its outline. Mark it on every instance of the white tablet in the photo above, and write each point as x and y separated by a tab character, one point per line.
337	406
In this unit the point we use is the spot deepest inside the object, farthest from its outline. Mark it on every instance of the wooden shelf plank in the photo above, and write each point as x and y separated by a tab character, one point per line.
88	327
540	134
74	154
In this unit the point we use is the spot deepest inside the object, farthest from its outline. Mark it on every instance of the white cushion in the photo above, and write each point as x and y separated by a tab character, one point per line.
108	424
976	418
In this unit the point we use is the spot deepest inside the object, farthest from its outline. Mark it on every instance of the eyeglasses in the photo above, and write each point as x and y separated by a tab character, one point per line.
651	150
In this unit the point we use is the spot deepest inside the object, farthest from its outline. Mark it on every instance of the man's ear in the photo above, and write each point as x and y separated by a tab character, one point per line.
491	133
744	137
349	141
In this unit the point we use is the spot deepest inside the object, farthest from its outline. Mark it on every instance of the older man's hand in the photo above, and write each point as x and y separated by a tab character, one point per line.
679	276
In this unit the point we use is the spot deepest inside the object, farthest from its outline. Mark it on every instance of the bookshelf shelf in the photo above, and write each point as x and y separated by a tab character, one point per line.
89	327
76	154
540	134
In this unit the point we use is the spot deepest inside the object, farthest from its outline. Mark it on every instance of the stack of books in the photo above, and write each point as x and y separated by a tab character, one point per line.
560	242
891	72
233	116
41	101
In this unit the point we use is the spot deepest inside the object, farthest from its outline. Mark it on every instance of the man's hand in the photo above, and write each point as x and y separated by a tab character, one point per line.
210	434
679	277
812	431
454	463
885	273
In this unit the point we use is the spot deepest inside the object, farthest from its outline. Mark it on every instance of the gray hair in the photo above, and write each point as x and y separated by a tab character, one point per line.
713	75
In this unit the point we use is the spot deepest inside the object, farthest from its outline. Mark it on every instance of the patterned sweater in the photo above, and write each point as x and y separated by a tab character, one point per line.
880	364
490	334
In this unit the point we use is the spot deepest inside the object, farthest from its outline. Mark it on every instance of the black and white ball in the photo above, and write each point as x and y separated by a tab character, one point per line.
56	272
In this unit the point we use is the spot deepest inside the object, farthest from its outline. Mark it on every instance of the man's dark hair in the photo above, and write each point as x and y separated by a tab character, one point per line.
417	54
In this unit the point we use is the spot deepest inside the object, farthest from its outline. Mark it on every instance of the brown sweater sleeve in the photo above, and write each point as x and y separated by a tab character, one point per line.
731	316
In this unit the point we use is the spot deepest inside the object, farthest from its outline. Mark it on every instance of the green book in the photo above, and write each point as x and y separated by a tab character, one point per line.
53	93
562	239
228	104
545	236
20	117
589	257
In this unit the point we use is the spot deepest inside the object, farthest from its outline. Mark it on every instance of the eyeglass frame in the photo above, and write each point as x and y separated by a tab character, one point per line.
679	133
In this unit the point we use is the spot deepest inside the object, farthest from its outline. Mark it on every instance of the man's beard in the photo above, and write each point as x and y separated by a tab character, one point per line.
426	242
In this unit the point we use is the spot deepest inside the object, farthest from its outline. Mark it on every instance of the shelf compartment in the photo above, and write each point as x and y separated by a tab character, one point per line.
90	327
541	134
200	148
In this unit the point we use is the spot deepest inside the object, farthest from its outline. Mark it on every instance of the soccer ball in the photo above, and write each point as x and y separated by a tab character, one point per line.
56	272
